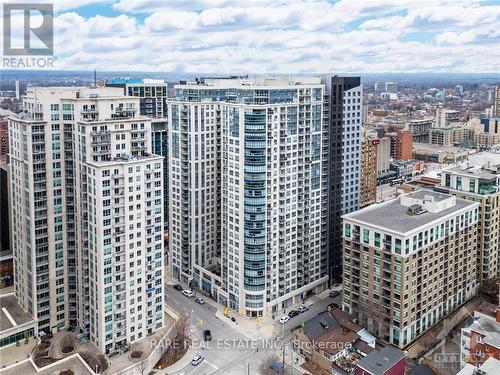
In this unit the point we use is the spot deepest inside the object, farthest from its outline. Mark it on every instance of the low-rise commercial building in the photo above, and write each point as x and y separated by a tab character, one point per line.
481	339
439	154
386	361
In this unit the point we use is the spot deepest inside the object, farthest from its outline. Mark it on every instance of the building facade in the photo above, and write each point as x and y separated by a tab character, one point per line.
152	94
368	184
479	181
404	145
343	118
496	102
87	214
396	279
420	128
254	151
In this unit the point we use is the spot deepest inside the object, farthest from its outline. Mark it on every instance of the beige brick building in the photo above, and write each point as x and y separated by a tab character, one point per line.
409	262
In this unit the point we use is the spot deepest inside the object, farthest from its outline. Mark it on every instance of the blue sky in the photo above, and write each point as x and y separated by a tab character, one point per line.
288	36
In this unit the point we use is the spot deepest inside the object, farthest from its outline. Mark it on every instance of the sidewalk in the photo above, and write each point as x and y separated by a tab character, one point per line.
180	365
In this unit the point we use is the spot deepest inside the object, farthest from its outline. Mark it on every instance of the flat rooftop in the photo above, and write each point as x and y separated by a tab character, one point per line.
485	158
250	82
475	171
393	216
379	361
11	313
437	148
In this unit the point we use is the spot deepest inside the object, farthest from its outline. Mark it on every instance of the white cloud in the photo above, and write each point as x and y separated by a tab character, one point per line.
261	36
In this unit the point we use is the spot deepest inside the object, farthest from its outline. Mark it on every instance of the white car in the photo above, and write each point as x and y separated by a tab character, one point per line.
284	319
188	293
197	360
303	308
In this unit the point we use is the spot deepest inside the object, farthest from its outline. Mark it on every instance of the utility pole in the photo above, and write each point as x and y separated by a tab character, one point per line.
283	344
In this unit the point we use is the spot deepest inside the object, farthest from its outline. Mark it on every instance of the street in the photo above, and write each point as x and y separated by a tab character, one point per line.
230	351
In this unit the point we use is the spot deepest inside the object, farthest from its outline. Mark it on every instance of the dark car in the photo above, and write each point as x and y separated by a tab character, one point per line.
207	335
178	287
293	313
334	294
333	306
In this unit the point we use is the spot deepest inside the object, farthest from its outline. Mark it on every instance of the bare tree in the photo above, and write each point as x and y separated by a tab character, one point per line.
68	343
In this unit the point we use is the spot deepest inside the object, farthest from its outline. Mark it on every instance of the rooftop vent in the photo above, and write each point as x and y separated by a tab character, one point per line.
324	324
428	199
383	361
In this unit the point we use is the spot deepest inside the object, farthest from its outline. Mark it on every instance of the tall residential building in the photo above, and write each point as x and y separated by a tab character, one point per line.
383	155
343	114
87	214
496	102
368	184
420	128
159	144
248	188
479	181
152	93
4	139
6	256
404	145
409	262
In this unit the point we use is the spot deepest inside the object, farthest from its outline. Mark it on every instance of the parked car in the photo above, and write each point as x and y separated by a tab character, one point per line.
333	306
284	319
178	287
334	294
303	308
293	313
197	360
188	293
207	335
199	300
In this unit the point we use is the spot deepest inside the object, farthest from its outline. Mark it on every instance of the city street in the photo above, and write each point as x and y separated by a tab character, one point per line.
230	351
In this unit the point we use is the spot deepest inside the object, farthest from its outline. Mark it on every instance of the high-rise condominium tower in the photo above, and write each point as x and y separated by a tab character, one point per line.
248	184
409	262
152	94
343	118
87	214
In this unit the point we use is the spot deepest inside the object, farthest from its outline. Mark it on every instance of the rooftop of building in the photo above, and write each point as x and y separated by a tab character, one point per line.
490	367
131	81
437	148
488	327
80	92
327	320
249	82
379	361
335	340
485	158
474	171
393	215
11	313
